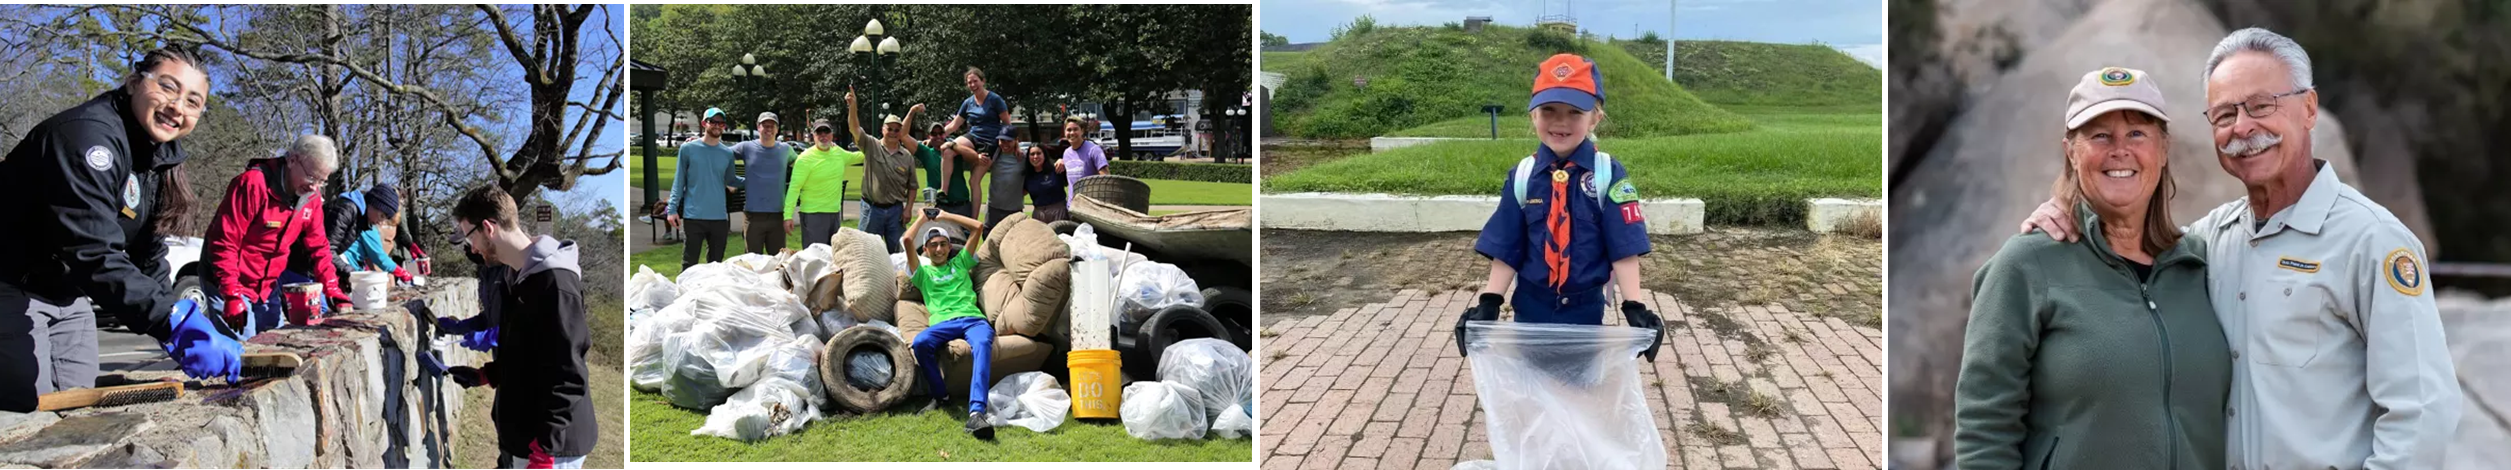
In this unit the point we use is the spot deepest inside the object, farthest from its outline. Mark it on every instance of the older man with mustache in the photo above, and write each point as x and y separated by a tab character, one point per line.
2338	357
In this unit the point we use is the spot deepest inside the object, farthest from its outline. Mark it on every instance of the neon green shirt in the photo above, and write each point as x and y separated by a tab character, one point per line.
948	293
818	176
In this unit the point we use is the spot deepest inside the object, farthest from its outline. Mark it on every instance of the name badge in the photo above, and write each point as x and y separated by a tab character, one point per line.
2298	265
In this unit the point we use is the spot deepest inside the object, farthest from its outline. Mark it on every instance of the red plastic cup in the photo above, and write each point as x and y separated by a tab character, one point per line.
304	303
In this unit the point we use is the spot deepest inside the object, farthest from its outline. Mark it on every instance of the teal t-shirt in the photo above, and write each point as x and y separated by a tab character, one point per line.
948	293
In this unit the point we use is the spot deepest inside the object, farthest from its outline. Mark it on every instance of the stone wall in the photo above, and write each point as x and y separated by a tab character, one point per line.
360	401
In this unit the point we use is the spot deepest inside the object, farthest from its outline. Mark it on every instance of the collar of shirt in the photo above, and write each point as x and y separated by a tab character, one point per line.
1584	156
2306	215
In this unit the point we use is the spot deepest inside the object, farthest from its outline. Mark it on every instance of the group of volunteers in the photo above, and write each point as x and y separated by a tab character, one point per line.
794	186
800	186
96	188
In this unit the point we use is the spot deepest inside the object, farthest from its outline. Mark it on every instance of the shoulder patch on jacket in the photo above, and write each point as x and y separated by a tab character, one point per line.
1624	192
2404	272
99	158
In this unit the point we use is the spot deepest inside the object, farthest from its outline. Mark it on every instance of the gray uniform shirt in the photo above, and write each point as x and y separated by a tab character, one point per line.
2338	358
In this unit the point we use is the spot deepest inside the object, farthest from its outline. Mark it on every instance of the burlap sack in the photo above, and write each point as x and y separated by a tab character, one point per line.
867	285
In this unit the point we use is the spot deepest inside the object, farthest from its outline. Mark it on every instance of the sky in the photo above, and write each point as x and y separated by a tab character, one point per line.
596	54
1853	26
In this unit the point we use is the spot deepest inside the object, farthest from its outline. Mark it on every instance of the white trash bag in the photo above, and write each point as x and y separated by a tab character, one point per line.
1564	396
1234	423
709	276
772	407
1148	288
649	290
730	344
648	364
1222	373
757	263
1160	410
1030	400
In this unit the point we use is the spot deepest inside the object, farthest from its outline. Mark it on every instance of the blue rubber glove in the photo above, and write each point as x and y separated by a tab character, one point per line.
430	364
199	346
483	340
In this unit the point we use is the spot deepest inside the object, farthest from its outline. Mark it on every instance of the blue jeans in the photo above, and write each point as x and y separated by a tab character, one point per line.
928	347
890	223
270	312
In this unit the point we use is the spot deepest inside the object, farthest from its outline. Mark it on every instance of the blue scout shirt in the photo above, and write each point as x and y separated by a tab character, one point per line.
697	189
1599	234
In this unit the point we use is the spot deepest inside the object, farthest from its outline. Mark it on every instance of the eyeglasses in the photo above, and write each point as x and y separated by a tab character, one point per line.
2257	107
191	102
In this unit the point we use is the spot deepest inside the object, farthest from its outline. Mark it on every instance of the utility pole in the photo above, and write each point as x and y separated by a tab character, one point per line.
1675	5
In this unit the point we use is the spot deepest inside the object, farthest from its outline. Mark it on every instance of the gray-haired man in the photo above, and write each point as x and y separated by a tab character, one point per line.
2338	357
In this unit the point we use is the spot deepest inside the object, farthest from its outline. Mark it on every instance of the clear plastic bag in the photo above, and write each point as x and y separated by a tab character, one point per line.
1214	368
1030	400
709	276
1564	396
1147	288
648	364
1234	423
868	369
649	290
772	407
731	343
1155	410
797	360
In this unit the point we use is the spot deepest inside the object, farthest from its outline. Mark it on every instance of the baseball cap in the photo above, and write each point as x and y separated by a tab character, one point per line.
1568	79
764	117
822	126
934	232
2113	89
714	114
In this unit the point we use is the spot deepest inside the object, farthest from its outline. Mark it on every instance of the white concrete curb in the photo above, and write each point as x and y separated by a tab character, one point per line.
1393	213
1827	215
1381	144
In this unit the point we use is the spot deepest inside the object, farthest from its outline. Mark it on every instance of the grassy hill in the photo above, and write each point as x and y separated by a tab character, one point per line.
1419	76
1764	74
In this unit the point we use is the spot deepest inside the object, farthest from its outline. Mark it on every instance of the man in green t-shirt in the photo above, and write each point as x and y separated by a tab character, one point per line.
950	296
954	198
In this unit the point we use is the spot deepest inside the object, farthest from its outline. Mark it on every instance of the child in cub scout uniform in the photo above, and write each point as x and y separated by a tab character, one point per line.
1569	219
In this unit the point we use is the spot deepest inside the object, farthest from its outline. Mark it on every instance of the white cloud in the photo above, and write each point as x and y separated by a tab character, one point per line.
1871	54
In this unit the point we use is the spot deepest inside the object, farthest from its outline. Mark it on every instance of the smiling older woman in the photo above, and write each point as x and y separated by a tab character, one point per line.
2103	354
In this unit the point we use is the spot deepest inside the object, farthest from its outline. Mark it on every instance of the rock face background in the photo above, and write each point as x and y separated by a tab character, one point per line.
1977	147
359	402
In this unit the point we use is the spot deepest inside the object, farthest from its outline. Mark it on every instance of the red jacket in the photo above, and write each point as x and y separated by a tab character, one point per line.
256	228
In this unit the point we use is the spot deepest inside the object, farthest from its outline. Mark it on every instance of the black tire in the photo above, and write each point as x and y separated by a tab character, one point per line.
1064	227
1235	308
1168	327
857	400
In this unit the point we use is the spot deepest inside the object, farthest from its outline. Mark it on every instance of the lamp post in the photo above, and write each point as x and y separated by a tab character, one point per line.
750	75
874	43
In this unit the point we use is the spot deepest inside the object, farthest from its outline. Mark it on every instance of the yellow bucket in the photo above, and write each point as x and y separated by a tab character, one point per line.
1097	388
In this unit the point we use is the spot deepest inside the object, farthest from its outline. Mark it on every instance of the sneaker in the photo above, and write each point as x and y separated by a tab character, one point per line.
930	405
978	426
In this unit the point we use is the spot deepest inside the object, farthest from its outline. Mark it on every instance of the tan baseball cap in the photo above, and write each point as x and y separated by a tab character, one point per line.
2113	89
764	117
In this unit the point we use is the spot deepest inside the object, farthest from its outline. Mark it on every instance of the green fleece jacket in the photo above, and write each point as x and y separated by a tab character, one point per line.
2071	361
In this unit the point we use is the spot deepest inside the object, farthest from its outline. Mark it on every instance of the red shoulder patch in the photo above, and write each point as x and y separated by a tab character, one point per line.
1630	213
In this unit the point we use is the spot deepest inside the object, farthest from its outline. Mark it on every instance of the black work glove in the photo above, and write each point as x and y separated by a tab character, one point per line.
467	376
1487	310
1638	316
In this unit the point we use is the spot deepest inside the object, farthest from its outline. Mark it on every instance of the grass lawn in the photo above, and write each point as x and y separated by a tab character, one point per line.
662	436
1284	61
1755	177
1417	76
1163	192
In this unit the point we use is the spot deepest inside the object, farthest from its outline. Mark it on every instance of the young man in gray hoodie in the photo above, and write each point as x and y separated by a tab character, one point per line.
543	411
